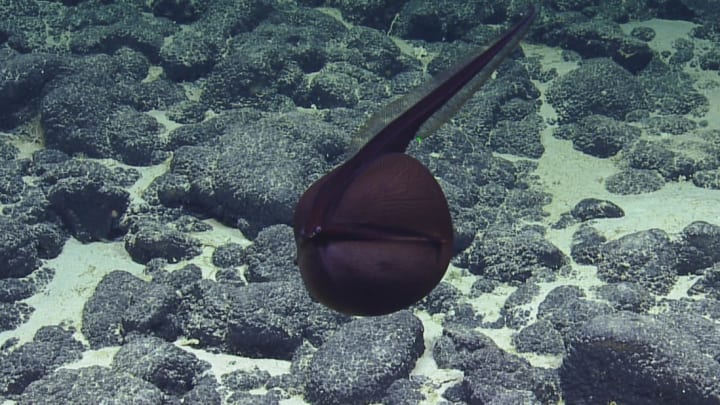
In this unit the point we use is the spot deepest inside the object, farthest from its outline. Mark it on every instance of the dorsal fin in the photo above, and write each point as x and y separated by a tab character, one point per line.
424	109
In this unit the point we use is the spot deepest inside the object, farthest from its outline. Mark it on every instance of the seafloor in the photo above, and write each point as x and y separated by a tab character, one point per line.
152	153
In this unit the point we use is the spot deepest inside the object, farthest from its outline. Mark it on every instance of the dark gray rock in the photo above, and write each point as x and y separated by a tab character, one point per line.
710	60
204	312
513	256
181	11
701	330
259	66
156	94
618	12
205	392
567	309
72	118
371	13
173	370
188	223
504	115
592	208
701	9
484	179
231	275
463	315
18	249
709	307
253	178
598	86
466	222
704	239
51	238
265	165
168	189
708	284
56	165
489	371
638	359
180	279
684	51
446	20
193	52
94	110
601	38
14	314
154	240
244	398
12	185
51	347
153	312
81	118
123	306
289	383
373	51
525	201
88	198
13	16
90	209
673	91
271	257
404	392
441	299
187	161
598	135
129	28
190	55
672	160
8	151
22	81
146	217
67	129
329	88
539	337
509	397
647	258
363	358
259	320
65	20
483	285
103	312
16	289
518	137
33	208
672	124
136	138
694	257
515	310
643	33
44	159
229	255
707	179
627	297
272	319
101	384
634	181
187	112
245	380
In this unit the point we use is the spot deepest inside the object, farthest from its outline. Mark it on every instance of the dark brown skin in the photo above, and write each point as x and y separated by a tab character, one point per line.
374	235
